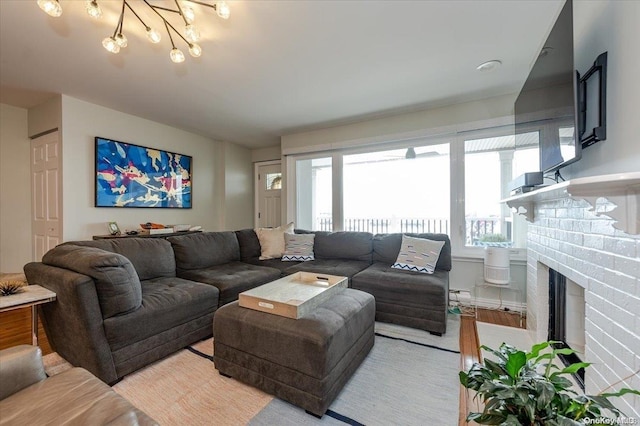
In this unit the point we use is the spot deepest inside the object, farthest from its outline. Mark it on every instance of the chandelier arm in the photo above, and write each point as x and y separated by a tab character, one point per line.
169	32
167	25
121	20
167	9
137	16
181	12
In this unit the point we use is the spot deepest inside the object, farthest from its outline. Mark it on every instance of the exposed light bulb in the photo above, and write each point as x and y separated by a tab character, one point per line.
195	50
191	33
111	45
176	55
93	9
50	7
121	40
222	8
188	13
153	35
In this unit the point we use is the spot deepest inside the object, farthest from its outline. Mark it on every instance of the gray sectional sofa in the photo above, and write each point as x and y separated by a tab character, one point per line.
125	303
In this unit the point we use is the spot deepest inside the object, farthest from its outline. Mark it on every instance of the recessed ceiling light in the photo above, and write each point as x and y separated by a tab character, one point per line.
489	65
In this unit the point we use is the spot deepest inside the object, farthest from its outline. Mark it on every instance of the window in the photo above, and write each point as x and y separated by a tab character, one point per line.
491	163
314	194
452	184
273	181
399	190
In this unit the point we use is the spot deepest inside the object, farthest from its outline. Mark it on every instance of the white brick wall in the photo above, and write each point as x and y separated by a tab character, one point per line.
568	237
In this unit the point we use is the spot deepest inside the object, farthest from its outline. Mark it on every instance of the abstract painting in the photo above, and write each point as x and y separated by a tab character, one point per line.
130	175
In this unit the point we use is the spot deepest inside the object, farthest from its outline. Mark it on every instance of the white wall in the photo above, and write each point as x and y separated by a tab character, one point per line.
446	119
15	190
238	188
611	26
266	154
82	121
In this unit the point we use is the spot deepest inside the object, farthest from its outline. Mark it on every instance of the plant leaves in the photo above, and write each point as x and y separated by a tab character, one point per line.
620	393
535	350
515	362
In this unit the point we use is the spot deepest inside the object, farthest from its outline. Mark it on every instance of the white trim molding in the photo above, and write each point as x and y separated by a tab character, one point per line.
621	189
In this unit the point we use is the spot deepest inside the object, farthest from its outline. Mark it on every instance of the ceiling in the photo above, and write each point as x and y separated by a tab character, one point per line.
275	67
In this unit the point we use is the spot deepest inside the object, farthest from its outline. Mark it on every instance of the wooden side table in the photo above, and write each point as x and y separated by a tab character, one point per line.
31	296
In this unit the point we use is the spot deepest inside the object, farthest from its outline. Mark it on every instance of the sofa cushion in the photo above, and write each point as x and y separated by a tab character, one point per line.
166	302
151	257
249	244
271	263
343	245
205	249
272	240
418	255
298	247
340	267
403	288
232	278
387	246
116	281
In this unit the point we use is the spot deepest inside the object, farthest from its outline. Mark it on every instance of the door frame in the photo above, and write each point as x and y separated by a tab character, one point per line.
256	185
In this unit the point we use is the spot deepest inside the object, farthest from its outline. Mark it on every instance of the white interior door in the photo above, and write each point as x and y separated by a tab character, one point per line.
268	192
46	193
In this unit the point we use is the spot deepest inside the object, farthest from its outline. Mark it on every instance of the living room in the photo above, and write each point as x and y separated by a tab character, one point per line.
224	166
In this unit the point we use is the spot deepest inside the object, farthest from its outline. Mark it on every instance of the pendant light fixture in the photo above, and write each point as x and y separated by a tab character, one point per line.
181	10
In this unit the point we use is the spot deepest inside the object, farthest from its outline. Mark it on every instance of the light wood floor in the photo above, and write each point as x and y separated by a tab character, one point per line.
15	329
470	349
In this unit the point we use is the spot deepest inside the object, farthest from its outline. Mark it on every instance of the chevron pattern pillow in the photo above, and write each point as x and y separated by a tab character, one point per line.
418	255
298	247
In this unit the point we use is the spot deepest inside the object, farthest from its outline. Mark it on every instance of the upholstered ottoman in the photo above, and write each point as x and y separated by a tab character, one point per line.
305	361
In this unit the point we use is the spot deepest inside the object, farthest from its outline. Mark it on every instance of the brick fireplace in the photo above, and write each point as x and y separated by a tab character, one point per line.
581	243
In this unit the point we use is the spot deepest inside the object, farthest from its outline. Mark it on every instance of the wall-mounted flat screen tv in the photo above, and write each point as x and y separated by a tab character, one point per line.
548	102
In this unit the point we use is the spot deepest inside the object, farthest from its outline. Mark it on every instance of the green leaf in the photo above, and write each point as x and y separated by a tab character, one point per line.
464	377
515	362
535	350
486	419
573	368
546	392
620	393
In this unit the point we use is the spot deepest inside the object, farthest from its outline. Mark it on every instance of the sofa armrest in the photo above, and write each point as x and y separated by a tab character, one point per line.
20	367
74	323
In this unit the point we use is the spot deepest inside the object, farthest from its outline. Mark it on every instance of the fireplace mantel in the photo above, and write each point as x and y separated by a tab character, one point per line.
621	189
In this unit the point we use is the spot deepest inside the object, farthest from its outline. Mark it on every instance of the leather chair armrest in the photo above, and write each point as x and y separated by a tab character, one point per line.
20	367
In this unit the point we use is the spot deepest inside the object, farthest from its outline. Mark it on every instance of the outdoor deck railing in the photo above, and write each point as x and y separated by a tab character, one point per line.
476	227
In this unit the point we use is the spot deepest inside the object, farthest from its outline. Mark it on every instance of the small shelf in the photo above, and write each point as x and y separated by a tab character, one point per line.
621	189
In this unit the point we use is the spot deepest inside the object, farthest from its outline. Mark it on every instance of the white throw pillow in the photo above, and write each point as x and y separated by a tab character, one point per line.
272	241
418	255
298	247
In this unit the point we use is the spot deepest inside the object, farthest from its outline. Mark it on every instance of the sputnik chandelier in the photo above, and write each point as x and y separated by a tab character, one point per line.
182	9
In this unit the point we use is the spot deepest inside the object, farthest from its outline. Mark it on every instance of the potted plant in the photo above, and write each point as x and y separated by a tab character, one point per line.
526	388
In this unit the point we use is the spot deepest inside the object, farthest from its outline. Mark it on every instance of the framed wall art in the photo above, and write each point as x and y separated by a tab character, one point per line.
130	175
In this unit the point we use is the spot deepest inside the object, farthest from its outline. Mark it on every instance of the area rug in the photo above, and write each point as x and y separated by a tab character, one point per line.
410	377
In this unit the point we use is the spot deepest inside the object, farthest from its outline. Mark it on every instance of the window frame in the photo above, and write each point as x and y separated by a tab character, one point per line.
455	136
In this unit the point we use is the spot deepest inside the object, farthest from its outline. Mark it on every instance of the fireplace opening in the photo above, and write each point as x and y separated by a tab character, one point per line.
566	319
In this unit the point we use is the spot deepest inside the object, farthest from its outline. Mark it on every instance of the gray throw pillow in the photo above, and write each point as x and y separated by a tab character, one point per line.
298	247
